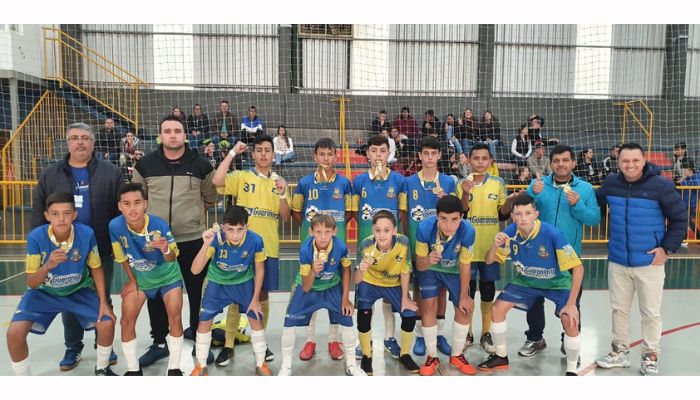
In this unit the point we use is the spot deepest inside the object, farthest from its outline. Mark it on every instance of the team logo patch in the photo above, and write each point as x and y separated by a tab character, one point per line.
245	254
391	192
457	248
543	252
336	194
399	258
332	260
311	211
366	212
417	213
75	256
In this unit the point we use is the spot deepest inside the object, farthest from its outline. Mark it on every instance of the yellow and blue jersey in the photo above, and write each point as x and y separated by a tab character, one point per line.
333	198
232	265
485	200
332	274
422	200
456	249
72	274
371	196
387	267
150	268
540	257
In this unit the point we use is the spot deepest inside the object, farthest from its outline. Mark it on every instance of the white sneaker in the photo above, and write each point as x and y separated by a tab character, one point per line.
354	370
650	364
614	359
285	371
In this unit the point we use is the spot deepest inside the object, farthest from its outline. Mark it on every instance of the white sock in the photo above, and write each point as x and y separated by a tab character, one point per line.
459	337
347	333
333	332
201	347
430	335
175	347
22	368
129	349
418	330
441	326
572	345
311	329
389	321
288	338
259	346
103	354
499	330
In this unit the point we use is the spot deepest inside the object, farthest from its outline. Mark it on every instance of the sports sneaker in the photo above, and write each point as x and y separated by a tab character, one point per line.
263	371
354	370
616	358
307	352
494	362
443	346
269	356
70	359
113	358
431	365
175	372
530	348
241	336
335	349
469	342
224	357
285	371
650	364
104	372
134	373
189	333
366	365
154	353
487	343
569	373
460	362
419	346
407	361
199	370
391	346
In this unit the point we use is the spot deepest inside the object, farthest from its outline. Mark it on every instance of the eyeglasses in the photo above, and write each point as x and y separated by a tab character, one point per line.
80	139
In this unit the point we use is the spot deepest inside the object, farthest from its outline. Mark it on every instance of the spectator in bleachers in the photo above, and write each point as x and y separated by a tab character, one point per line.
521	147
408	126
522	176
690	196
680	158
177	112
399	143
107	142
251	127
380	123
392	147
610	163
431	125
539	162
129	144
284	147
587	169
450	131
536	123
467	129
225	125
211	155
130	164
197	127
490	131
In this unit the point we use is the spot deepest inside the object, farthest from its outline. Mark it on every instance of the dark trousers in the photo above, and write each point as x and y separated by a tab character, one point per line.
535	318
193	285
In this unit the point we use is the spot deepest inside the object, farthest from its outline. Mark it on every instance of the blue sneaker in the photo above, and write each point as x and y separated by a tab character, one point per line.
443	346
70	359
392	347
419	346
113	358
154	353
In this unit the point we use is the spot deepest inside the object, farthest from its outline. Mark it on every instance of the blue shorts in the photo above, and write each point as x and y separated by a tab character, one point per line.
524	297
486	272
217	296
41	308
161	291
272	274
432	281
366	294
302	306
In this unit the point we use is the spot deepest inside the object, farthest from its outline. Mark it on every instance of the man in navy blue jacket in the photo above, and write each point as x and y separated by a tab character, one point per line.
641	203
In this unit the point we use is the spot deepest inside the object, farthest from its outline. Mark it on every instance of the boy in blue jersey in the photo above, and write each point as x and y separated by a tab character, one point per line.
322	192
63	274
380	188
235	276
146	248
323	282
443	256
423	190
540	255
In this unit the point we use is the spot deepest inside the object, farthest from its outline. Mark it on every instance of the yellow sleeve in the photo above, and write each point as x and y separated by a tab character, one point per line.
260	256
173	247
33	263
345	262
465	255
355	202
230	184
567	258
422	249
493	169
118	251
210	251
348	202
501	254
297	202
459	190
304	269
403	201
501	194
93	259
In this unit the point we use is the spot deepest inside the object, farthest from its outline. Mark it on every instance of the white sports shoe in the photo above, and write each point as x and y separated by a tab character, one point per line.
650	364
285	371
354	370
616	358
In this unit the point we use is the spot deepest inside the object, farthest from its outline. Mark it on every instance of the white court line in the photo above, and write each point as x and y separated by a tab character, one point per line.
13	276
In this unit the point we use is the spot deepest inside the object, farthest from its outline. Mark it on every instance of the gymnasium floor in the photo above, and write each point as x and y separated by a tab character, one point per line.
679	355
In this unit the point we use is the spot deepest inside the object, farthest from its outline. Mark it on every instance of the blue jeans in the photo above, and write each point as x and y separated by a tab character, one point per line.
288	157
467	145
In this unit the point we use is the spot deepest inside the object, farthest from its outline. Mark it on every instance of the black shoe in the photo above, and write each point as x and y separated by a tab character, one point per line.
269	356
224	357
154	353
571	373
407	361
189	333
494	362
210	356
175	372
366	365
134	373
104	372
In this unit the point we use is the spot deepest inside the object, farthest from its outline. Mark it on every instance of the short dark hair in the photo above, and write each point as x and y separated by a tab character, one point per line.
262	138
324	143
60	198
236	215
429	142
132	187
170	117
382	111
561	149
252	108
196	105
451	115
430	112
223	101
377	140
384	214
632	146
449	204
680	145
523	199
480	146
615	146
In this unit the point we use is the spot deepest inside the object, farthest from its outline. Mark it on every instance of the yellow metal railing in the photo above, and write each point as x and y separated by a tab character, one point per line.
18	199
70	62
648	128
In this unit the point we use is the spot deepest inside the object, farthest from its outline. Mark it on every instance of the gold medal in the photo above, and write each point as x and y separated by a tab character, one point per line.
436	190
470	177
566	188
157	235
378	169
274	176
217	229
322	255
64	246
438	248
